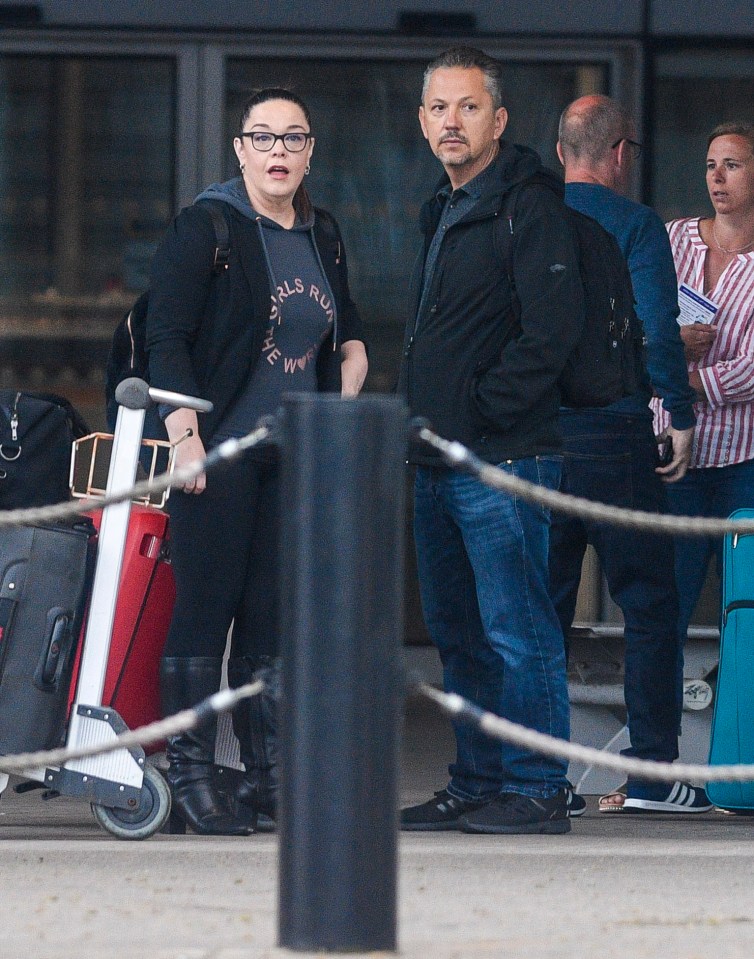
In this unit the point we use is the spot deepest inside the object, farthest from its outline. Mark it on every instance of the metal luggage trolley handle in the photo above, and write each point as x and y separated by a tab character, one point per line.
129	798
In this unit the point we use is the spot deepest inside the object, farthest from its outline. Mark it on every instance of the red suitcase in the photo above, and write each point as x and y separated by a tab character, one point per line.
142	617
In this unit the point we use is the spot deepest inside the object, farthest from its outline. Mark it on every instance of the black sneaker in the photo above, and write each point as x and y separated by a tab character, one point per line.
441	813
513	813
575	804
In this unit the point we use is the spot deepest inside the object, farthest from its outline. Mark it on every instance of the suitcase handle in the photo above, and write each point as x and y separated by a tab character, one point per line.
55	649
736	604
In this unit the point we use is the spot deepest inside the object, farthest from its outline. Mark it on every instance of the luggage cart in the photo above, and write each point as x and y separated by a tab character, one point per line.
129	798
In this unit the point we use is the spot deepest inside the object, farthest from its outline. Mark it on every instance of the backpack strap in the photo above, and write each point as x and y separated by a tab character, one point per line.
222	234
326	223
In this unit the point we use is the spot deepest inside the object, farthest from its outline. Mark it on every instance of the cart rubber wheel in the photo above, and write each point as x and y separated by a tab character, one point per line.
142	822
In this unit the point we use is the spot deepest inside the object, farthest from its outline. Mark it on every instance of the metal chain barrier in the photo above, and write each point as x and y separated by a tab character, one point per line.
504	730
171	726
451	704
224	453
453	453
186	719
460	458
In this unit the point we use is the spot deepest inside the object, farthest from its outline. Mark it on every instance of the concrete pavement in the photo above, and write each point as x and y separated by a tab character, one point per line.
640	887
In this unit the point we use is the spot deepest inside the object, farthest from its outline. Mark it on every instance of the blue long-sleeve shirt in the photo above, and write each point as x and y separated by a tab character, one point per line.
644	242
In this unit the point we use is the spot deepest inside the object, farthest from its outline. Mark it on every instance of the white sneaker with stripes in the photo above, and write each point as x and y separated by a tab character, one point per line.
681	798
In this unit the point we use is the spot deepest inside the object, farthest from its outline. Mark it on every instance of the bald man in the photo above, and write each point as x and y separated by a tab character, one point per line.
611	455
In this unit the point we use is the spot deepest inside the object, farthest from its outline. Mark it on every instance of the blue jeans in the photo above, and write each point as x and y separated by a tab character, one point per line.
611	458
482	561
709	491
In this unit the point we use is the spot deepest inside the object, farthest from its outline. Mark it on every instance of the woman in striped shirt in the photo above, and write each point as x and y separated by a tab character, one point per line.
715	257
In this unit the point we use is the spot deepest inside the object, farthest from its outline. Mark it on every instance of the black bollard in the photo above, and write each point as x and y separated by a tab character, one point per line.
342	514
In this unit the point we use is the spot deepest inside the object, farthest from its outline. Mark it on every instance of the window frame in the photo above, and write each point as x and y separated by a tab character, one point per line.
200	64
623	58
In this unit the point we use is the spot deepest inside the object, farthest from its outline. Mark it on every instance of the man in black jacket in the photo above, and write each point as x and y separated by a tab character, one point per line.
487	377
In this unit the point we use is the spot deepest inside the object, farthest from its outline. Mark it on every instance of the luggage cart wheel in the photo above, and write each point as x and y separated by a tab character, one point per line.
142	822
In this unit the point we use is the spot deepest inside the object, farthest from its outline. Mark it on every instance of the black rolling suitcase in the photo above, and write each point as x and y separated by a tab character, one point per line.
45	575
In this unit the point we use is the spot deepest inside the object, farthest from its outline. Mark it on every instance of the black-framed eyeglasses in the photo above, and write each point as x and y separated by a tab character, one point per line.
264	142
636	147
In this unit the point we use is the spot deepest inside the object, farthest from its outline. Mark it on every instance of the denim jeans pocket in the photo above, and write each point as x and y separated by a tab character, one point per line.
606	478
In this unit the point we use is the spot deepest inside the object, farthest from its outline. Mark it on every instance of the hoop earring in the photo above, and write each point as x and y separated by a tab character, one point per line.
307	170
242	167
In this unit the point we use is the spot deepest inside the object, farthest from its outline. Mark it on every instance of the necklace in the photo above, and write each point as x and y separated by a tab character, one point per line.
722	248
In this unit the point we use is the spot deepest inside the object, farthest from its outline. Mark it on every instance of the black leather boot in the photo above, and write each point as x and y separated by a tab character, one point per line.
185	681
255	725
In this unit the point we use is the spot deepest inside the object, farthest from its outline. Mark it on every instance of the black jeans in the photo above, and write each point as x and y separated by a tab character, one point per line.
611	459
225	559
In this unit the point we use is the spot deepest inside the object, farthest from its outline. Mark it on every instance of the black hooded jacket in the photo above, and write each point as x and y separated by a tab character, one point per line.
205	332
468	367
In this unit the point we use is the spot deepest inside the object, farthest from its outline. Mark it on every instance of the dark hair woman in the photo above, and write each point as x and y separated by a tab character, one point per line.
279	319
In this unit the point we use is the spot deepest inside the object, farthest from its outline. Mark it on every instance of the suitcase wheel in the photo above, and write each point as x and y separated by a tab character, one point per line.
147	819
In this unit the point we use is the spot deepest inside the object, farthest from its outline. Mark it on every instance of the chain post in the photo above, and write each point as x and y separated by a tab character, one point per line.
343	513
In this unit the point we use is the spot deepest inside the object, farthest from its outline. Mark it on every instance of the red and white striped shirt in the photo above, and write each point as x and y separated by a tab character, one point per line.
725	423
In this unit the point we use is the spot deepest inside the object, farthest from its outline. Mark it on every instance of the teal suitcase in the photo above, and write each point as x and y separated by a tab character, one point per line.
732	738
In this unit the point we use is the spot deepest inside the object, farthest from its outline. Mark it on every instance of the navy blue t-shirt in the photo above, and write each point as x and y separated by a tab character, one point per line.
301	314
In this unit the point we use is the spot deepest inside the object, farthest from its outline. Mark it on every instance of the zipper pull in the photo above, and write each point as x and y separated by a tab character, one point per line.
14	420
129	327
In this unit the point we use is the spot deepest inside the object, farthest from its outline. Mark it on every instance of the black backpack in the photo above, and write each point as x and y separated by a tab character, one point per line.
36	434
128	354
607	363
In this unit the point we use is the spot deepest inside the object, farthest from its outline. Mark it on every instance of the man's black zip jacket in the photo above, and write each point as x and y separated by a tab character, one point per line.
478	375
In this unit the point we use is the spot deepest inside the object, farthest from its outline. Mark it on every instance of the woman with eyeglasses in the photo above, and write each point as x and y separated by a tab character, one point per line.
278	319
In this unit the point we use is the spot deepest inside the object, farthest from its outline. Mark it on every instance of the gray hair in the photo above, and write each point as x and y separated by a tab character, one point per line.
734	128
586	134
468	58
